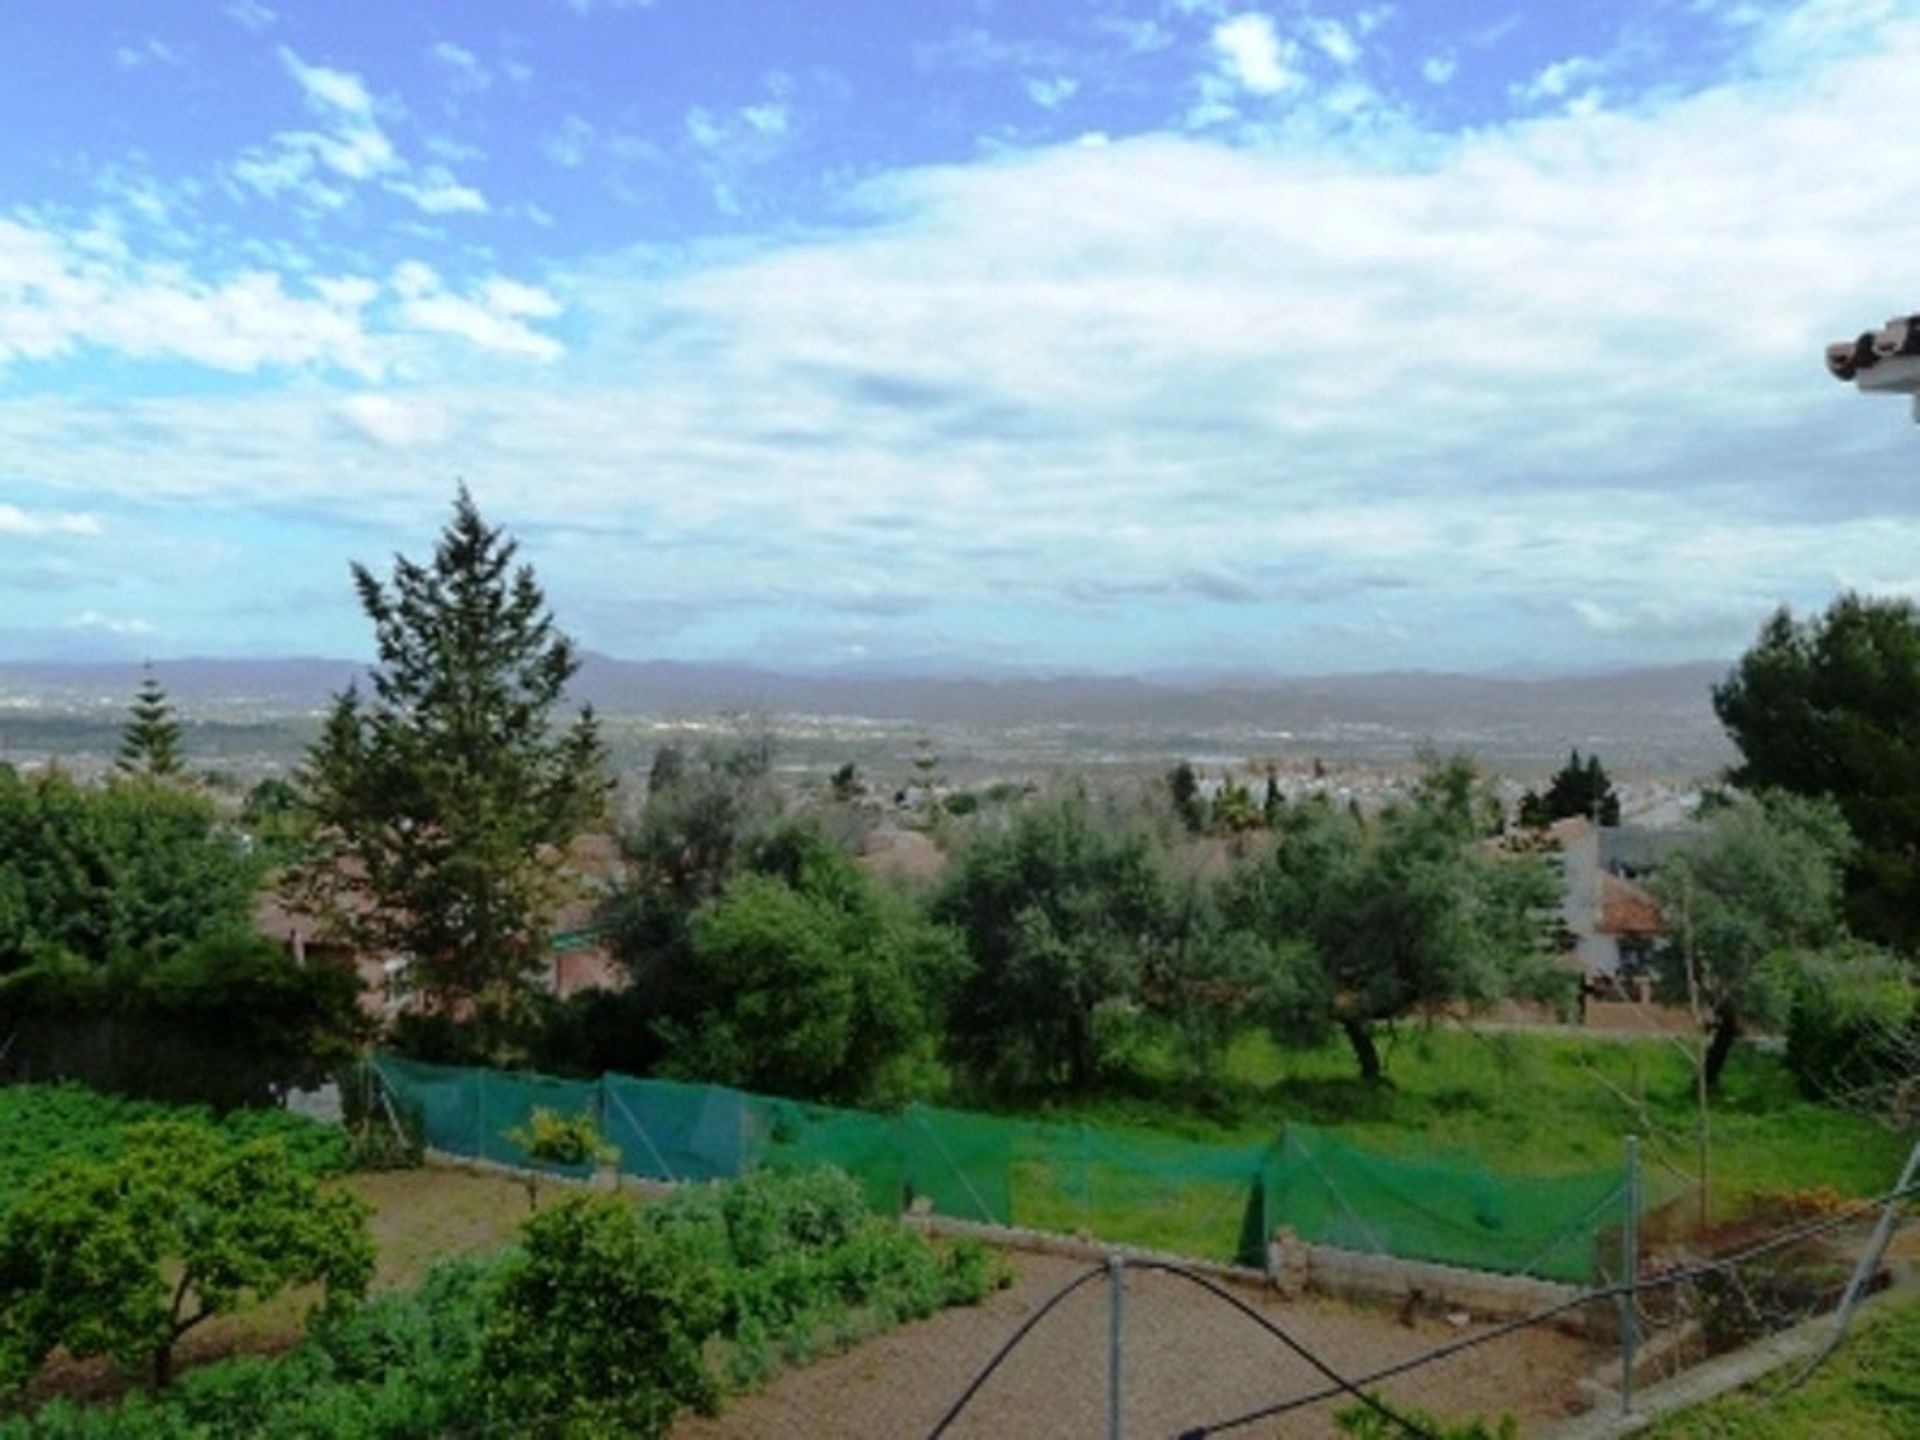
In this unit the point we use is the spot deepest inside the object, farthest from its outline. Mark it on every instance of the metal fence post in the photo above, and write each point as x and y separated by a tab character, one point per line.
1116	1325
1630	1268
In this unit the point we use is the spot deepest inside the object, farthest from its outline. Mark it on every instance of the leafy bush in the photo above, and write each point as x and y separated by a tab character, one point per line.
595	1327
43	1123
598	1325
1855	1023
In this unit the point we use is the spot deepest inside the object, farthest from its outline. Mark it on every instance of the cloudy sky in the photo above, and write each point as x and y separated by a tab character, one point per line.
1100	335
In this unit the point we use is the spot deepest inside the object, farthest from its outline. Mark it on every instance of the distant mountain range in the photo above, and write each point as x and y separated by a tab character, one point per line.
1400	699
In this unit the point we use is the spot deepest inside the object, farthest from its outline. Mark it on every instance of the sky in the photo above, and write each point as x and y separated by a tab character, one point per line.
1123	336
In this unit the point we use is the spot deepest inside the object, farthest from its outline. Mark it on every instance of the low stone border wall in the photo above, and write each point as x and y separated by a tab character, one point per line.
1717	1376
1295	1267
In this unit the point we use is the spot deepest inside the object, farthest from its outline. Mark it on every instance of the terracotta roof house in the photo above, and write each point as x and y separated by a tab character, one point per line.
577	958
1881	362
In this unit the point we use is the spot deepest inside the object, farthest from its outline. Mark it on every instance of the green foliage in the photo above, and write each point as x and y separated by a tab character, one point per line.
798	976
150	744
125	870
1366	920
807	1266
1578	788
45	1123
598	1325
275	820
554	1139
444	802
1517	1104
399	1367
1854	1035
1759	885
1183	789
1388	1422
1063	911
1829	707
703	814
1868	1390
560	1140
122	1256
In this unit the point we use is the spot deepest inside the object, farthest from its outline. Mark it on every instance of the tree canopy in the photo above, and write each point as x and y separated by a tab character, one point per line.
1391	915
1063	911
1829	707
1578	788
1761	884
113	872
150	744
444	801
122	1257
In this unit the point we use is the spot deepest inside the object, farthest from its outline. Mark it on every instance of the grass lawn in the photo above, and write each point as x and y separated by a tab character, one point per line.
1868	1390
1520	1104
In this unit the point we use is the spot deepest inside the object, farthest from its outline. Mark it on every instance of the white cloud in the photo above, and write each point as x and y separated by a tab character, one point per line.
567	146
17	523
1554	377
308	166
438	193
465	74
329	90
1333	40
768	119
252	14
494	321
1256	55
61	291
123	626
1051	93
149	52
1439	69
395	422
1557	80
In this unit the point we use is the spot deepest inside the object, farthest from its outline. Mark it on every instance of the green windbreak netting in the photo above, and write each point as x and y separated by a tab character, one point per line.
468	1112
1148	1190
788	1134
669	1131
959	1163
1328	1192
1219	1202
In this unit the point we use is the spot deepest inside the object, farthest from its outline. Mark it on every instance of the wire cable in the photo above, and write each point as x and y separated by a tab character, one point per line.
1341	1384
1007	1349
1780	1240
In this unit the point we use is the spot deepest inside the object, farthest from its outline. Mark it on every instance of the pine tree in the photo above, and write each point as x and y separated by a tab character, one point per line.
444	801
150	743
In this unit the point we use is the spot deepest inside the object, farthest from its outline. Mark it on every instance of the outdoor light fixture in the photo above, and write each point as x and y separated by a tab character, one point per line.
1882	362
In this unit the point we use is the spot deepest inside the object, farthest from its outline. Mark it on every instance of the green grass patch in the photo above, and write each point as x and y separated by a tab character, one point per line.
1510	1104
1868	1390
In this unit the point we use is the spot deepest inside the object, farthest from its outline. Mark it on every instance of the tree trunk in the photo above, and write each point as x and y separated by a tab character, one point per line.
1726	1029
1360	1037
162	1367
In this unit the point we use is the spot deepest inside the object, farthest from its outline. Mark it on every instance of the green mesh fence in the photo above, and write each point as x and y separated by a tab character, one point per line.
1331	1193
1219	1202
1148	1190
669	1131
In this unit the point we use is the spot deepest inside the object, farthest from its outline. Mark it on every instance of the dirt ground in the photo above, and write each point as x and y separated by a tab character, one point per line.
1189	1359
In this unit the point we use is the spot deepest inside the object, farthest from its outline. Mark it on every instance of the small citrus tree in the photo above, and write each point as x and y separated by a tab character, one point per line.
122	1257
550	1138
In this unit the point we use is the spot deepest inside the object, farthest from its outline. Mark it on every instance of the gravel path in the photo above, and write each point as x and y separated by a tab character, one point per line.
1190	1359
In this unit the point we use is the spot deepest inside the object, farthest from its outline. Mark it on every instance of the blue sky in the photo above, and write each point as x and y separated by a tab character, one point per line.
959	334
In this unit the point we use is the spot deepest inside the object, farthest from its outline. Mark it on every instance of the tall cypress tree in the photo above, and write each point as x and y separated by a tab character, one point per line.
444	801
150	743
